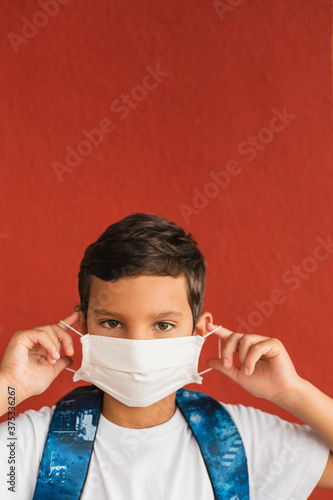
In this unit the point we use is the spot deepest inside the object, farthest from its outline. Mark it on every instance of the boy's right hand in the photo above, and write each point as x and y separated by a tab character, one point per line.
32	359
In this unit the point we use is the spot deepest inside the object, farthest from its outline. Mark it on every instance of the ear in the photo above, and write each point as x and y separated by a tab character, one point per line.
82	323
201	326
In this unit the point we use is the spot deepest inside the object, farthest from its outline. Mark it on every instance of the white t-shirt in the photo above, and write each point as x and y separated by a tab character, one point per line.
285	460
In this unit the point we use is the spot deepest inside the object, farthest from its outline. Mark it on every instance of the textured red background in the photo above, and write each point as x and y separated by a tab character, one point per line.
226	74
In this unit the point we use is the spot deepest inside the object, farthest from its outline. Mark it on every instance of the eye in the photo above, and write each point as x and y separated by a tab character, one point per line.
111	323
163	329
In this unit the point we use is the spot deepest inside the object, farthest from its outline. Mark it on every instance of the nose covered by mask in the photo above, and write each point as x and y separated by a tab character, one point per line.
140	372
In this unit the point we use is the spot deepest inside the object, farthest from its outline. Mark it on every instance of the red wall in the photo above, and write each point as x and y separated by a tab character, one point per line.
224	76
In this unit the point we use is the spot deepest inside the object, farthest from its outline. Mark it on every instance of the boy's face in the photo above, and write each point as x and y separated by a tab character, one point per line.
143	307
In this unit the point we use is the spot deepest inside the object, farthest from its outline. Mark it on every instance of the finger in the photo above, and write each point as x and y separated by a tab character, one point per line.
268	348
49	330
71	320
61	338
230	347
62	363
66	342
34	337
217	364
245	344
222	332
67	338
52	329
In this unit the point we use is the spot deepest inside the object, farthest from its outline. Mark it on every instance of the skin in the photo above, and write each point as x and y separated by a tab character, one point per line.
137	302
34	358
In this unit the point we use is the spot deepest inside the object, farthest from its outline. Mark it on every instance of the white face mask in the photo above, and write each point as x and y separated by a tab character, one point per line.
140	372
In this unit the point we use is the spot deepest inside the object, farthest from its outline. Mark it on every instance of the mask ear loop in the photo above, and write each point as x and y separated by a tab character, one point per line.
220	350
68	326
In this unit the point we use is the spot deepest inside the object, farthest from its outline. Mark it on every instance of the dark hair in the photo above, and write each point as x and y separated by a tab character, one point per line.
144	244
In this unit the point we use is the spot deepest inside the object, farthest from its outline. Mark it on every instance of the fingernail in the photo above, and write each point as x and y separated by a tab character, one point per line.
52	361
211	325
71	349
225	363
247	371
56	355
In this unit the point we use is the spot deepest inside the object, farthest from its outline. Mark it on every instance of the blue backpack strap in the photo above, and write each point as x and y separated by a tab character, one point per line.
69	445
220	444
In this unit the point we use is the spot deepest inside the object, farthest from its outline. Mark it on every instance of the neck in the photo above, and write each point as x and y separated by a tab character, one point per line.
138	417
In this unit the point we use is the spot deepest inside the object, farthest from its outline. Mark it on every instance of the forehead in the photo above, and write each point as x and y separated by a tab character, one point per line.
139	294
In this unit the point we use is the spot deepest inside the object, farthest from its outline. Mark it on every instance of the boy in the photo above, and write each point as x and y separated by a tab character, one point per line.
143	279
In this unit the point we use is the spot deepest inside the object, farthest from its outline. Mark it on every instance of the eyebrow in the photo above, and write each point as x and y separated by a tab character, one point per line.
104	312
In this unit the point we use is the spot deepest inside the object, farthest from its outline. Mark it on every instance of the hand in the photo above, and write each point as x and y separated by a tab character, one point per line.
32	359
267	370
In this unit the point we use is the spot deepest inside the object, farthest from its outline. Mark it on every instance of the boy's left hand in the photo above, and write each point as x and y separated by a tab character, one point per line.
267	370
